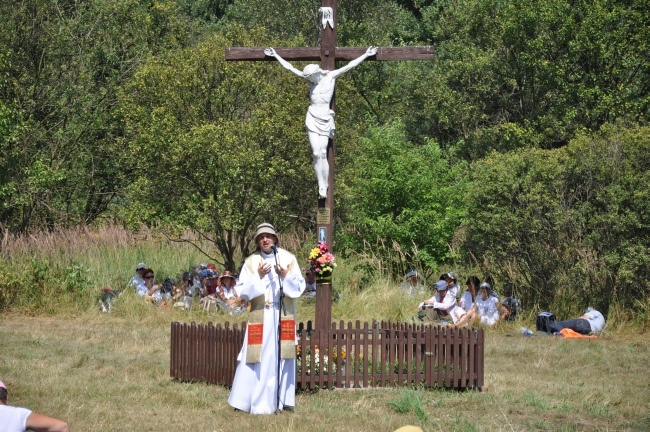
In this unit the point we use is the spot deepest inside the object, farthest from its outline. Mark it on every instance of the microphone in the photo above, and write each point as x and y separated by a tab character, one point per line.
274	248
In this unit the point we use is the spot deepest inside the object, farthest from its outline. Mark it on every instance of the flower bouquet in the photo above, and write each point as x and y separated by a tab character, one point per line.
321	262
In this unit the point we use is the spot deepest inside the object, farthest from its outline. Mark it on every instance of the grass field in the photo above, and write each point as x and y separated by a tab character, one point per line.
111	373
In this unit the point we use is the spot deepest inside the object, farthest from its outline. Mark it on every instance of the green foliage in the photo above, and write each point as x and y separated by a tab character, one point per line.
218	145
403	194
569	227
63	165
410	401
520	74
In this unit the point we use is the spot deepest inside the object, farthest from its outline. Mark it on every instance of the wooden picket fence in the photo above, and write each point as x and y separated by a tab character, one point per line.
381	354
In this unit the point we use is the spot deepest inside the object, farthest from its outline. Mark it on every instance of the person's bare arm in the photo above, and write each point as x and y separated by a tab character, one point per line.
288	66
41	423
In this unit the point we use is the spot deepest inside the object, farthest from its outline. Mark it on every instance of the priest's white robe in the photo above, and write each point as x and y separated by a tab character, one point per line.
255	386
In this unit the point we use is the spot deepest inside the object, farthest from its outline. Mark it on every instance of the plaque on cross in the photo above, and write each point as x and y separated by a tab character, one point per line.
328	53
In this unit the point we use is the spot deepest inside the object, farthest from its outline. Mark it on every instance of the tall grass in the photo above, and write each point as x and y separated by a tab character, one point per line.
64	272
66	269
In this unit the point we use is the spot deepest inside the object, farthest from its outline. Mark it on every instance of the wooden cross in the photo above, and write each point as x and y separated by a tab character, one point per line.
328	54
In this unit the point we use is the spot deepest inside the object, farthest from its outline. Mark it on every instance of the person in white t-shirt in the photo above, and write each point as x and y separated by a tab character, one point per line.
137	279
591	322
16	419
486	307
469	297
442	306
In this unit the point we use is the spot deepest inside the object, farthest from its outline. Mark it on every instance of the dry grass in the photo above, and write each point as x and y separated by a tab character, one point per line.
111	372
105	372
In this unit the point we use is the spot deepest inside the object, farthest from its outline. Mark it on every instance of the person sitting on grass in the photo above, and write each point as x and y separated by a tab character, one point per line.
485	307
228	295
22	419
452	284
137	278
211	284
510	305
442	306
153	293
592	322
310	282
412	284
469	297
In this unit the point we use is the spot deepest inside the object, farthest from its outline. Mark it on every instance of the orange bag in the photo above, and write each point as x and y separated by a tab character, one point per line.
567	333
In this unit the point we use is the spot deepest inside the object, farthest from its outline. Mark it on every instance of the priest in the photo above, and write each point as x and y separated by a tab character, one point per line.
260	386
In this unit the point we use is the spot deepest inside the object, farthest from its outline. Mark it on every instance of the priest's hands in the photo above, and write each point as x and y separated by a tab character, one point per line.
282	272
263	269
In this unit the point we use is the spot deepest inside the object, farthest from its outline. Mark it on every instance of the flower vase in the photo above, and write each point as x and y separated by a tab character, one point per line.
324	278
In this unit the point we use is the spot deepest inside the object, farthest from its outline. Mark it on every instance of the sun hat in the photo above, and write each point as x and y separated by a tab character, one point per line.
265	228
486	285
452	275
412	272
207	273
226	274
441	285
2	385
141	266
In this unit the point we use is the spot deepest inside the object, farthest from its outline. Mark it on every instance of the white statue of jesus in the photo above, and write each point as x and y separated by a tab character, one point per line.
320	118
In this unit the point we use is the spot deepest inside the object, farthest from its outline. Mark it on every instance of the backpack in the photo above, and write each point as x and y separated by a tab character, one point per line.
543	321
167	286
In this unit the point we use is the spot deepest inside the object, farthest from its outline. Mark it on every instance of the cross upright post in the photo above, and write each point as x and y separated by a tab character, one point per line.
328	54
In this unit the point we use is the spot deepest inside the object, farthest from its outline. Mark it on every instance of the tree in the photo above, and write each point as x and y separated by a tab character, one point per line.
528	74
67	60
569	227
219	147
403	194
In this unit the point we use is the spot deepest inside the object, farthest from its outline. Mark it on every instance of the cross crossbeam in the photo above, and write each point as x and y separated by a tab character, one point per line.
342	53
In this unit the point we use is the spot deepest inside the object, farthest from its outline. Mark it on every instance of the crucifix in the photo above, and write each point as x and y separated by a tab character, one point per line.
320	123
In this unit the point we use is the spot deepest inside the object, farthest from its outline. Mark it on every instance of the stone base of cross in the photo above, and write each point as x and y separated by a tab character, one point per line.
328	53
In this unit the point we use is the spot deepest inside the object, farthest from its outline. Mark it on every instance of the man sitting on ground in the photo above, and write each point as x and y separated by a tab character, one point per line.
412	284
452	284
138	278
22	419
591	322
442	306
510	305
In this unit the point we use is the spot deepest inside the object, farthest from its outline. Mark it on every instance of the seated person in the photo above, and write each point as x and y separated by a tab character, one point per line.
469	297
310	282
493	292
196	288
228	295
487	305
182	297
591	322
137	278
510	305
412	284
22	419
152	290
442	306
211	284
452	284
204	278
